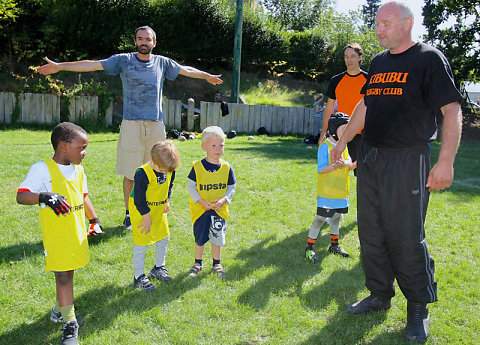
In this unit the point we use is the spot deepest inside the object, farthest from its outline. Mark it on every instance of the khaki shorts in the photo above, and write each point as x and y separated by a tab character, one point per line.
135	143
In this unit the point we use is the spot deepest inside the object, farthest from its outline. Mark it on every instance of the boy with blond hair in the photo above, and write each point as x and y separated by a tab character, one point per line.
149	203
211	185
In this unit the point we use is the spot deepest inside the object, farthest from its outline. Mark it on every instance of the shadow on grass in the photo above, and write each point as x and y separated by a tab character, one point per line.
280	148
100	307
342	288
19	252
285	258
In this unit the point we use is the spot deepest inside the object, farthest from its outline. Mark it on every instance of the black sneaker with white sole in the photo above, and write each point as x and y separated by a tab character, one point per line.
160	273
336	249
127	225
70	333
144	283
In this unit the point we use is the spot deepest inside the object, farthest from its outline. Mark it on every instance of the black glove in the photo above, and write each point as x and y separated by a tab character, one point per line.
95	227
55	201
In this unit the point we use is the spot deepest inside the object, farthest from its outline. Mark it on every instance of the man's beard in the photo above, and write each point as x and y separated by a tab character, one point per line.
144	49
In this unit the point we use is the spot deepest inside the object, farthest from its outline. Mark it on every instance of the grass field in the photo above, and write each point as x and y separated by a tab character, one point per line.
271	294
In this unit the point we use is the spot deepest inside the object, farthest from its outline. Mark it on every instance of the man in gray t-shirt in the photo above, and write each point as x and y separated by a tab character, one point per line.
142	75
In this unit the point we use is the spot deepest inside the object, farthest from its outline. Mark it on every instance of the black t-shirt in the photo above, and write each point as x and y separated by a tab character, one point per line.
404	93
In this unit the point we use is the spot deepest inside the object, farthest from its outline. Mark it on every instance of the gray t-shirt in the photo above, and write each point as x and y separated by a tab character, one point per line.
142	83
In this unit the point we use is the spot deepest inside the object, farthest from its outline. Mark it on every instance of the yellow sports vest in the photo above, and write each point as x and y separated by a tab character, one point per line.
335	184
65	236
210	186
156	196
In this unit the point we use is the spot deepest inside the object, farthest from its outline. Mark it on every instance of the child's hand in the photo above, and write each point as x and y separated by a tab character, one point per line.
205	204
56	202
167	206
146	223
353	165
218	204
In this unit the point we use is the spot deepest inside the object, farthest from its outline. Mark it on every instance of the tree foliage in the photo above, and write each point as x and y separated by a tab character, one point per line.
296	15
459	42
195	32
370	11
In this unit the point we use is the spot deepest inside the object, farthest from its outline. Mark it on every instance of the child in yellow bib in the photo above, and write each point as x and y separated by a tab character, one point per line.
333	189
211	185
59	186
149	203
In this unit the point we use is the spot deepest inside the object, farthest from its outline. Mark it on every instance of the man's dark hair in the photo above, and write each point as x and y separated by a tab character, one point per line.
65	131
146	27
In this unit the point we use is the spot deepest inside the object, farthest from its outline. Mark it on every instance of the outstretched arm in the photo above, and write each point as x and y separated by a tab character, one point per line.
75	66
191	72
441	175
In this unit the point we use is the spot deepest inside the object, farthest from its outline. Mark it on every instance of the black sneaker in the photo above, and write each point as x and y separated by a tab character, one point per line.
56	316
127	225
70	333
336	249
418	322
160	273
366	305
144	283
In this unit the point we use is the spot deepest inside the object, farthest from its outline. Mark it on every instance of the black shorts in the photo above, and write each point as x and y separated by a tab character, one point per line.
210	227
329	212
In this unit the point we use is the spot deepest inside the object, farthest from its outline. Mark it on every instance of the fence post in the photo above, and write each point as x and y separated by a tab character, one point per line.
109	114
190	114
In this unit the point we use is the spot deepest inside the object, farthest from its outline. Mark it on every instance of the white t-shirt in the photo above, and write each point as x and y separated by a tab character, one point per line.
38	178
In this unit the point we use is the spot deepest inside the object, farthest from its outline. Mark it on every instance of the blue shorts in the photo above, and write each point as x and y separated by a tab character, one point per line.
210	226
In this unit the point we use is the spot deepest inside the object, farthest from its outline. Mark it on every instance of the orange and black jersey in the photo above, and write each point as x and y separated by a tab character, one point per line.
345	88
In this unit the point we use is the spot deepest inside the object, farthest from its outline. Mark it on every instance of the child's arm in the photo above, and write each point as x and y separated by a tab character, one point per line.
55	201
95	227
227	199
192	190
146	223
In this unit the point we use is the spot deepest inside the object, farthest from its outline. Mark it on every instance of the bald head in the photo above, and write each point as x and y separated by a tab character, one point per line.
394	26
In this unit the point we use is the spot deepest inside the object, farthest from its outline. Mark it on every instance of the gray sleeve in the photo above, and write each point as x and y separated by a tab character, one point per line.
230	191
192	190
111	65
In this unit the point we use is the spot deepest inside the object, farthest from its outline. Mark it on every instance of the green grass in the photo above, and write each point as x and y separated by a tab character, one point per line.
271	294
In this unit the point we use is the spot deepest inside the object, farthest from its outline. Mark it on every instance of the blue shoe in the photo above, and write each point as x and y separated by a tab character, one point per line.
160	273
144	283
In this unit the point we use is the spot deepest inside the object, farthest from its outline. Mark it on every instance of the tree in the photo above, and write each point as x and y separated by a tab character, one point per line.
297	15
461	41
370	11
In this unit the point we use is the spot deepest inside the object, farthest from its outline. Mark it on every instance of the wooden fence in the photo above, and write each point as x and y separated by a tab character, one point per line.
243	118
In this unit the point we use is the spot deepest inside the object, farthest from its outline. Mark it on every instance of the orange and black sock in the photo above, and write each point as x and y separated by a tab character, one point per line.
310	243
334	239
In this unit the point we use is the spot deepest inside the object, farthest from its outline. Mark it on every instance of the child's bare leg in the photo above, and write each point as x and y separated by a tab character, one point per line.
199	251
216	252
64	285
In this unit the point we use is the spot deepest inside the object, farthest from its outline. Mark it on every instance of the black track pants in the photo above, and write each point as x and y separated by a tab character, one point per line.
392	204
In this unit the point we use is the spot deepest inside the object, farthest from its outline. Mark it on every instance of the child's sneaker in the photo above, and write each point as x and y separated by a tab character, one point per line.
70	333
310	255
218	270
160	273
195	270
127	225
336	249
56	316
144	283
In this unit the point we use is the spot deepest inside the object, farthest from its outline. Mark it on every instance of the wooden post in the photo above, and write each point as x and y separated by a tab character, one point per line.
190	114
109	114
